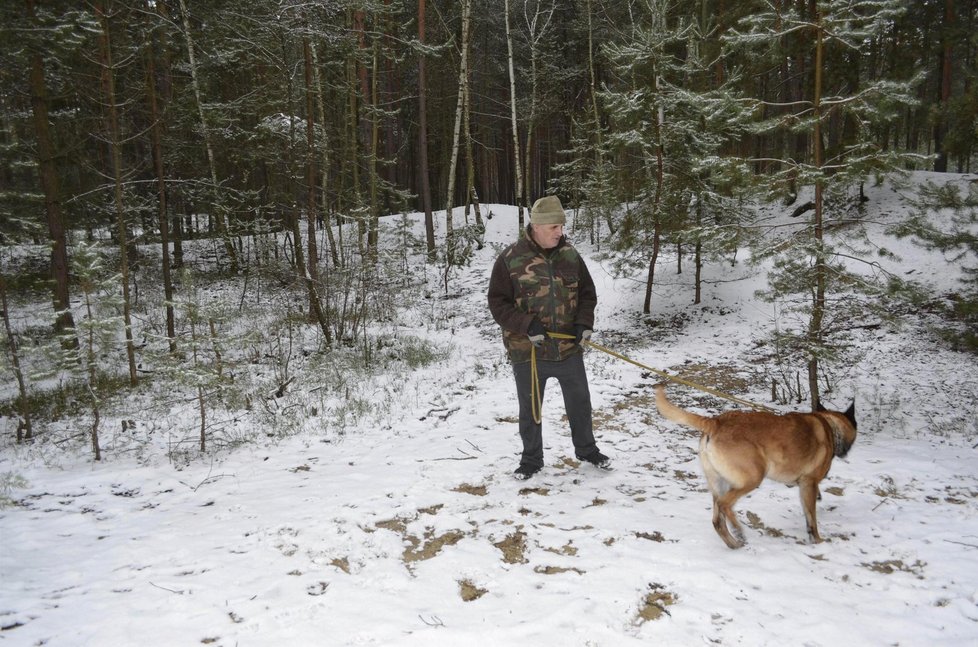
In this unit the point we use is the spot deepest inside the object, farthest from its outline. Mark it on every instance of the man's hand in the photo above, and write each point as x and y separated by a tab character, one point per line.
536	332
581	333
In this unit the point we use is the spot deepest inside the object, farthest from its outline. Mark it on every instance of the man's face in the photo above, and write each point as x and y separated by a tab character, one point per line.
547	236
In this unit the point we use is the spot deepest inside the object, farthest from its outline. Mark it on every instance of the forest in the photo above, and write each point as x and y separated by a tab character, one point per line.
151	150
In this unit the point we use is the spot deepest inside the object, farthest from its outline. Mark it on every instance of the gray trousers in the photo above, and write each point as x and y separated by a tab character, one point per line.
572	377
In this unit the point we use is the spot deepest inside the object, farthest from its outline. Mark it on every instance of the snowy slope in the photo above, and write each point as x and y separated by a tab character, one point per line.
412	532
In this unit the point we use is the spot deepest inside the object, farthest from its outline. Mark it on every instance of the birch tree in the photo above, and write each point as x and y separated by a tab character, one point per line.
217	206
463	76
537	18
517	165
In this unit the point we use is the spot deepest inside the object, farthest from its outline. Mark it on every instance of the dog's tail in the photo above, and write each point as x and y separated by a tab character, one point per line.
683	417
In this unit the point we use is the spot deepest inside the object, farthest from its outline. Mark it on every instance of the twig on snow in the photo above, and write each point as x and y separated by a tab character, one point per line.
961	543
434	622
168	590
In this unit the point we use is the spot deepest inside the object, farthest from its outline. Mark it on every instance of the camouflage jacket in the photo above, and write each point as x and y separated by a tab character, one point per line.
552	285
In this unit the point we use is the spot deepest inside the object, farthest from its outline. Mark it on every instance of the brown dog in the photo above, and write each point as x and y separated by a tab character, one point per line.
739	448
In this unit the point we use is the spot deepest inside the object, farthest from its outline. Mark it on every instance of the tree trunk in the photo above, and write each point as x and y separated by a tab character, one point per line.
656	244
64	324
312	211
536	33
92	366
25	429
324	147
815	331
530	126
374	150
940	162
470	192
456	138
358	94
115	149
156	144
429	219
656	221
201	402
596	115
353	139
217	207
518	170
319	314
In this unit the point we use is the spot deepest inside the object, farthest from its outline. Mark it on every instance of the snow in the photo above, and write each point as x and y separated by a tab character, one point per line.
366	538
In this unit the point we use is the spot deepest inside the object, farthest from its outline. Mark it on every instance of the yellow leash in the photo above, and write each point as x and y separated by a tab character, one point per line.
536	398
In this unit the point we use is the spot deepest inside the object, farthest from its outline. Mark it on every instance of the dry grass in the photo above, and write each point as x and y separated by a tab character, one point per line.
655	603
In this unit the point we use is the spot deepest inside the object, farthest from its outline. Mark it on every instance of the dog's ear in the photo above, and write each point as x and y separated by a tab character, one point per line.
850	414
819	408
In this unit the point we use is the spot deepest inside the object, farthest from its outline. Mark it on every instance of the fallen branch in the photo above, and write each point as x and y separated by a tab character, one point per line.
168	590
960	543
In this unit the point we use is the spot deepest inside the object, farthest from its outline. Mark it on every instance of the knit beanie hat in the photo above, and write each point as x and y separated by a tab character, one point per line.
547	211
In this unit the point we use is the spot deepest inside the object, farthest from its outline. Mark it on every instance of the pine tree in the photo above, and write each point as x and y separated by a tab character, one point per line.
838	112
670	123
945	218
98	328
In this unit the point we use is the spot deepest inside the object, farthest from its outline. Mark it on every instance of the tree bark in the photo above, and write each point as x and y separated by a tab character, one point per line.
940	162
324	148
312	212
319	314
425	178
456	138
815	332
25	429
595	113
156	144
518	169
64	324
115	150
536	32
656	221
470	192
374	151
217	207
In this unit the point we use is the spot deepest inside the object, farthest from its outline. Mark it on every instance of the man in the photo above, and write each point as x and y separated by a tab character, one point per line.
540	284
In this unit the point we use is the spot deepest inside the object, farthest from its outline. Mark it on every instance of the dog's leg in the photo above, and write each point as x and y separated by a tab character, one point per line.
720	525
808	488
723	515
725	505
719	487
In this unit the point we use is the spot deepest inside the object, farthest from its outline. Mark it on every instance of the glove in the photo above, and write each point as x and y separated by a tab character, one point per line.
536	332
581	333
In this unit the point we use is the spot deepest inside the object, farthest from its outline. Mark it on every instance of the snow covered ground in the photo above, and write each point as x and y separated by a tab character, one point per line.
412	531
